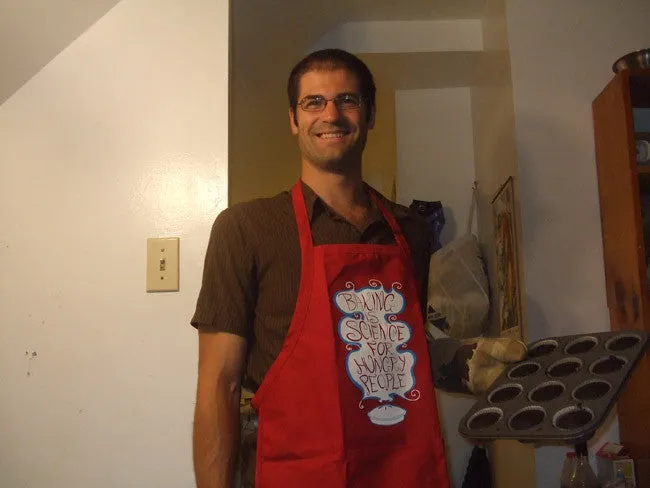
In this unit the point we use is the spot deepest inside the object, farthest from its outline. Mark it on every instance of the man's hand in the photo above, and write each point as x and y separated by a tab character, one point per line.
486	358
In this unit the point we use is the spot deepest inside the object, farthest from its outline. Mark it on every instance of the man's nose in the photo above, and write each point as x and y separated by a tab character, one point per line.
331	112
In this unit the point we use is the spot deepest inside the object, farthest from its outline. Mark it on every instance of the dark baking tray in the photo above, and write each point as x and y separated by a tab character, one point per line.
561	392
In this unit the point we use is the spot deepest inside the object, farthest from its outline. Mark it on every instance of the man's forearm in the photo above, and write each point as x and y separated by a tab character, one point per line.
216	437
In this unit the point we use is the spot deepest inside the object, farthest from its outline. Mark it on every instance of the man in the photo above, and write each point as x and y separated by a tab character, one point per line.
314	299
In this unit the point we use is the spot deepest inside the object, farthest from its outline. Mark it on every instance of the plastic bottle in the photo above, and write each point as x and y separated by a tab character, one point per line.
567	469
619	479
582	475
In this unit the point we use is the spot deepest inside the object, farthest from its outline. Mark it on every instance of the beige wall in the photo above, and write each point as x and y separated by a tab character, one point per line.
263	158
121	137
379	158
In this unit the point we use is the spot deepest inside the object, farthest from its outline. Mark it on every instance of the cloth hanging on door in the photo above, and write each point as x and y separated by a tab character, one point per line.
433	213
479	470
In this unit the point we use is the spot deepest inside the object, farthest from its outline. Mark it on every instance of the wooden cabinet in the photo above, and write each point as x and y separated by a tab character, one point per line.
624	188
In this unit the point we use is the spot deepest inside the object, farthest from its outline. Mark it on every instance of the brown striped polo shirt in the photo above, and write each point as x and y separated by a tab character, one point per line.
252	267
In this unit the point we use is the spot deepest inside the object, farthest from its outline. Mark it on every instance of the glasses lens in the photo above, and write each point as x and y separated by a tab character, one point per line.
317	103
348	101
313	104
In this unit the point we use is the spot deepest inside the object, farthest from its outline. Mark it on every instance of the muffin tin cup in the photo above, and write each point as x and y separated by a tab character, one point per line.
561	392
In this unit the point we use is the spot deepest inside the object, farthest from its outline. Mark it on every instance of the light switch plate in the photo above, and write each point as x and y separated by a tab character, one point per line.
162	264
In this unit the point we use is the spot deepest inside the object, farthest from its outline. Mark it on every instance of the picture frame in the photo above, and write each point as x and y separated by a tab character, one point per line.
508	288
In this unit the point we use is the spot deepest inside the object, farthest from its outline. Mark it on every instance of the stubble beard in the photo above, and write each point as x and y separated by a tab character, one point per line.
338	162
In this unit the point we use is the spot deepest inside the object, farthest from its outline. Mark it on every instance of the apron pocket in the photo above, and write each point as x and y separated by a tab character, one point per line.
396	468
301	473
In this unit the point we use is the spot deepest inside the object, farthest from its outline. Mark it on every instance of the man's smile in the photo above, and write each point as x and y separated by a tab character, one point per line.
332	134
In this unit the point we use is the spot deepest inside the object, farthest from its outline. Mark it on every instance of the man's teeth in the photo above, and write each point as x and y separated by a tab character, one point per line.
332	135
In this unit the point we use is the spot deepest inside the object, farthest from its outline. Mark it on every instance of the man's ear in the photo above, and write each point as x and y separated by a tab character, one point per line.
292	122
371	120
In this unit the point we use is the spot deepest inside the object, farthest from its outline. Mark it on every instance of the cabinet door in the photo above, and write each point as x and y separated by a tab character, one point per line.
618	184
623	187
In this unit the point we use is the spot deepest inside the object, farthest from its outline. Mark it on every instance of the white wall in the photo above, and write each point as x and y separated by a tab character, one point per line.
561	54
435	161
123	136
513	463
435	151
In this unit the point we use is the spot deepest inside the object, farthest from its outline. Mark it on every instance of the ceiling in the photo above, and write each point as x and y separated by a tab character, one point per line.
33	32
259	32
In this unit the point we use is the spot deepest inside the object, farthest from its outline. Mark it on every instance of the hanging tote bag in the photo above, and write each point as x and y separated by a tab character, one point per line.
458	296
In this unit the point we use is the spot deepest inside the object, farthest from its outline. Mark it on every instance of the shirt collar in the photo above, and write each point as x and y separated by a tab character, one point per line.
315	205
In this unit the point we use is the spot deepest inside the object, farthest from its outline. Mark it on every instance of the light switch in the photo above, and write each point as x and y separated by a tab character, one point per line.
162	264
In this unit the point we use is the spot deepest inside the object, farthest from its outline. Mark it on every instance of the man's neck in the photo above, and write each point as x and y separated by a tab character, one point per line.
344	193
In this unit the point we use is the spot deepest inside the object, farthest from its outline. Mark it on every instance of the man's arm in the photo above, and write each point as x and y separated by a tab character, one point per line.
224	317
216	418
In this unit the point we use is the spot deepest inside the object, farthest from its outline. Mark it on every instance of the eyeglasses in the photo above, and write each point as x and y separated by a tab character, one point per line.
344	102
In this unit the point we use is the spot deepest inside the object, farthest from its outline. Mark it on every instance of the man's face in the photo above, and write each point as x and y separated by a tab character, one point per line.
334	139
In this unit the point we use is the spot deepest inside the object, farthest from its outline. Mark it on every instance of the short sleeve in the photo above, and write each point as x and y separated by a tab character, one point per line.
226	302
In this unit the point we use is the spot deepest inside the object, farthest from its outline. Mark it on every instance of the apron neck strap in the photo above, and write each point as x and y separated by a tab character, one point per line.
302	219
398	235
304	227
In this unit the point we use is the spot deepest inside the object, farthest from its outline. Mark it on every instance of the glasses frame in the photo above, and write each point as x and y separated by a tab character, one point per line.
340	97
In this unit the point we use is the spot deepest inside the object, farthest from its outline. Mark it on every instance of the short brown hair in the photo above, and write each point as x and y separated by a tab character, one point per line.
333	59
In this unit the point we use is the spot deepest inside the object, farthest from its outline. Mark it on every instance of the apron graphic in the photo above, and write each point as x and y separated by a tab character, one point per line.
379	362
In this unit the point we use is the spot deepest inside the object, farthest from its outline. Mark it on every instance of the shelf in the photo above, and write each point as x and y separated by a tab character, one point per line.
640	88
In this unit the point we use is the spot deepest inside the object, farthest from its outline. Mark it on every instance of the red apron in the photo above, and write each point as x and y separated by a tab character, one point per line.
350	402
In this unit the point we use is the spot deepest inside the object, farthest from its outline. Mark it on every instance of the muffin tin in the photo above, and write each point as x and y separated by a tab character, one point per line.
562	391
